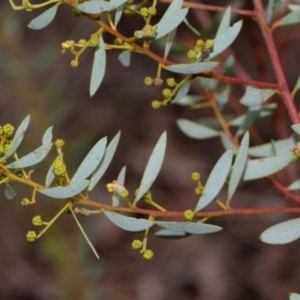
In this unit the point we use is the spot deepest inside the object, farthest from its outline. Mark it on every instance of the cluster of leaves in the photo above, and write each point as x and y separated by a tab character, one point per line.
239	163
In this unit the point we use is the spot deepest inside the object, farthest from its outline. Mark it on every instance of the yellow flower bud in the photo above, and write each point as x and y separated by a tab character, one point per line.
37	221
171	82
155	104
31	236
136	244
59	144
189	215
8	130
148	254
148	81
74	63
195	176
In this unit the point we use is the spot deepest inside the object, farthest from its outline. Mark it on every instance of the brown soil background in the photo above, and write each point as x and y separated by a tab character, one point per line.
36	79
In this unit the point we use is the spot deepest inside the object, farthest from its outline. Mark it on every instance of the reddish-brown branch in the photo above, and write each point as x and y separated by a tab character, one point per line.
280	76
234	80
214	8
174	214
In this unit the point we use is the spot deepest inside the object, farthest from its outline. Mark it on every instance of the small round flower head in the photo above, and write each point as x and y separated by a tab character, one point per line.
6	147
148	81
171	82
192	55
167	93
118	41
68	45
31	236
209	44
195	176
8	130
111	186
82	42
25	201
124	194
94	41
158	82
152	11
59	144
189	215
136	244
74	63
59	167
198	190
148	254
144	11
155	104
37	221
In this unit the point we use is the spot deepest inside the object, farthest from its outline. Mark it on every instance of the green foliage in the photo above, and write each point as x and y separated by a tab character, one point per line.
239	162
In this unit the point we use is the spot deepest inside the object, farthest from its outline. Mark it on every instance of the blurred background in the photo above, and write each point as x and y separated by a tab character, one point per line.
36	79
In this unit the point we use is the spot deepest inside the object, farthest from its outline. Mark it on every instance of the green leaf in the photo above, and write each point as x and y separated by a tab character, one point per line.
153	166
188	100
229	66
270	10
44	19
128	223
264	112
183	90
282	233
120	180
9	192
192	228
238	166
99	65
117	3
297	86
32	158
195	130
225	39
65	191
50	176
250	118
169	23
91	161
109	153
225	22
254	96
18	137
193	68
294	186
291	18
171	234
222	97
174	7
262	167
296	128
119	13
294	7
190	27
227	143
169	42
95	7
294	296
216	180
124	58
47	137
280	147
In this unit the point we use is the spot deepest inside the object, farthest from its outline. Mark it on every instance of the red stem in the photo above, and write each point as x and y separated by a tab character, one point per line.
170	214
280	76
